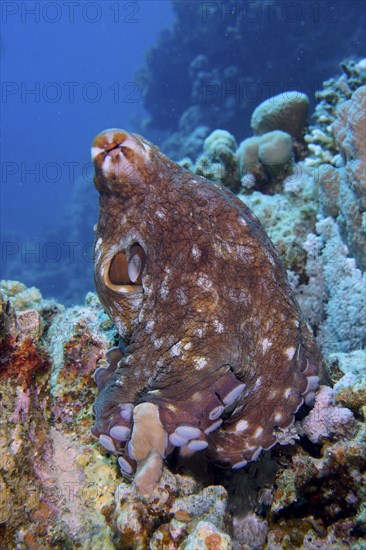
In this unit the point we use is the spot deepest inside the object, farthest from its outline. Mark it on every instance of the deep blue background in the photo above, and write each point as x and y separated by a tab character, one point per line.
100	59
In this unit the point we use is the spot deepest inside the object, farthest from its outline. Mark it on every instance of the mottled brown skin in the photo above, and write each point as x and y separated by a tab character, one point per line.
214	310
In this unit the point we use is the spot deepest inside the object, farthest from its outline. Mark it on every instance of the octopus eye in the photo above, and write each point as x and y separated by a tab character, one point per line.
127	269
136	264
118	269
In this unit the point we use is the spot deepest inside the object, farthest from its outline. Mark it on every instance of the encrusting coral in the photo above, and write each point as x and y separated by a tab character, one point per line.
21	354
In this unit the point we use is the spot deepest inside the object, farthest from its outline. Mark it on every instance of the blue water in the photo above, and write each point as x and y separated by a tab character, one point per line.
66	75
82	76
69	71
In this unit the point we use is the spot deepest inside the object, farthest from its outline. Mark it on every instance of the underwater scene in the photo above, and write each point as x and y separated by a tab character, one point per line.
183	287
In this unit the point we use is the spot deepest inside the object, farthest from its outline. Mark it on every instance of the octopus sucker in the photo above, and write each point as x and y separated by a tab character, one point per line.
125	465
216	355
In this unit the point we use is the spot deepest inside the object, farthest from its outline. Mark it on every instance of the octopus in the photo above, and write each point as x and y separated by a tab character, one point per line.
214	356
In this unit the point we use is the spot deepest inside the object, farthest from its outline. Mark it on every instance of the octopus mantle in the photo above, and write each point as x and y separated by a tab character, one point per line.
218	356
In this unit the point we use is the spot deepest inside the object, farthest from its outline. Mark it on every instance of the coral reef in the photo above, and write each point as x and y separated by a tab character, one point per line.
274	150
327	274
349	377
205	536
60	490
266	157
20	355
47	488
350	134
260	162
337	90
250	531
189	63
338	150
287	112
326	419
320	500
333	298
288	215
178	512
20	297
218	162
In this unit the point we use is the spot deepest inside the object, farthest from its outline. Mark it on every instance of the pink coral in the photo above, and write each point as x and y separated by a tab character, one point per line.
327	419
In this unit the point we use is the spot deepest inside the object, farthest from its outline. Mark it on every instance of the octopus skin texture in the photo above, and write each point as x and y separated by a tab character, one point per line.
217	356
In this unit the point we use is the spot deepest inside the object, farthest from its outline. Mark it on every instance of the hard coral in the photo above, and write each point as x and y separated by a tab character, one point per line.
287	112
218	161
58	488
344	328
321	138
326	419
338	148
320	503
350	388
334	297
197	76
350	133
266	157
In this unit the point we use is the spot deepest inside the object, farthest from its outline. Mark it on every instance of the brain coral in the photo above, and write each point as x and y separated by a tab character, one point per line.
287	111
275	150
